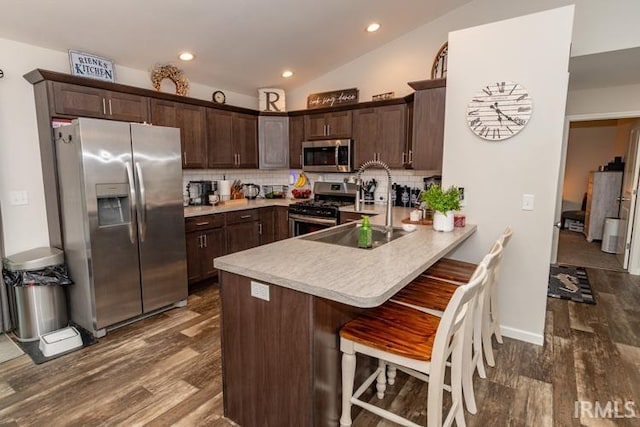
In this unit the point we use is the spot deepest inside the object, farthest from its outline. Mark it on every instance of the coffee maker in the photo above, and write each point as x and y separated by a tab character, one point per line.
199	192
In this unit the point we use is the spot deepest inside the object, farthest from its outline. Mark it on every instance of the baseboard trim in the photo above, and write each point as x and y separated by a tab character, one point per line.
521	335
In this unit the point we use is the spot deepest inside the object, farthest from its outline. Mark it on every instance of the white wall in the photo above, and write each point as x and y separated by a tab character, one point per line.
496	175
607	102
25	227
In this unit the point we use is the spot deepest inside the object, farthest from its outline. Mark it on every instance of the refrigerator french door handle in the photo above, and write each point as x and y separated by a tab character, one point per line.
142	219
132	202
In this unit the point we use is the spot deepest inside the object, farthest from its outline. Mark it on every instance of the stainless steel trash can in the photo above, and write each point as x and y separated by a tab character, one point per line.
36	309
610	235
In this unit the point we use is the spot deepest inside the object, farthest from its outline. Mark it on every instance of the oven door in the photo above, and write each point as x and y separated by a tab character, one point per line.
303	224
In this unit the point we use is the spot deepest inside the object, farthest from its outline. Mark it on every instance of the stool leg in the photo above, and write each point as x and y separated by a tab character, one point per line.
348	377
488	349
381	383
391	374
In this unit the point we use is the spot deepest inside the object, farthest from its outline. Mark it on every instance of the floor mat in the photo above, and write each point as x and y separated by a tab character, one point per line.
8	349
569	282
33	350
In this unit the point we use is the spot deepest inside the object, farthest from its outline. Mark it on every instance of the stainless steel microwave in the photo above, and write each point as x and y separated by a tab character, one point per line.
332	155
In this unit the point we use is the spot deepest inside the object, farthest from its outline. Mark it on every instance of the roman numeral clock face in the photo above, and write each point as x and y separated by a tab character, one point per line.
499	111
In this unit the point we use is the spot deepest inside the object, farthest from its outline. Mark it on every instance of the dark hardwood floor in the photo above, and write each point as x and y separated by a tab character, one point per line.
165	370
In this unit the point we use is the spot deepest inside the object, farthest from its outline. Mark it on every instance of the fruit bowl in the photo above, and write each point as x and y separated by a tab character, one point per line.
301	194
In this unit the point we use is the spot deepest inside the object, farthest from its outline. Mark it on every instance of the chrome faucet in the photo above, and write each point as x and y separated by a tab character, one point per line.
366	165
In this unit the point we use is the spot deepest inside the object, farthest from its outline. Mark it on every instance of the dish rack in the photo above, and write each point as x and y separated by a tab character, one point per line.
275	191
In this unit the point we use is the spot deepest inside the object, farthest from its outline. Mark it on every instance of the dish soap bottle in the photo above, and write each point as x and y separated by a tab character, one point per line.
365	238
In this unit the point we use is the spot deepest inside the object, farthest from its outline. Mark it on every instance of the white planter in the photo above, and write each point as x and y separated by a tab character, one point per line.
442	222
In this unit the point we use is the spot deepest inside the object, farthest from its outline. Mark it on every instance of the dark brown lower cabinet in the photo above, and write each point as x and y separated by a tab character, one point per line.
281	358
205	237
242	236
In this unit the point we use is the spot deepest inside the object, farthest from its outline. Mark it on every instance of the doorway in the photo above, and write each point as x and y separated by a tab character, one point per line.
591	186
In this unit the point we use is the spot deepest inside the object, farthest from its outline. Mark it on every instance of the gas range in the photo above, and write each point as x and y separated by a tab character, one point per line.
324	210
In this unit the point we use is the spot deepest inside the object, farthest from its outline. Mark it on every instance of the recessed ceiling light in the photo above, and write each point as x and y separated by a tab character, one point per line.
373	27
287	73
186	56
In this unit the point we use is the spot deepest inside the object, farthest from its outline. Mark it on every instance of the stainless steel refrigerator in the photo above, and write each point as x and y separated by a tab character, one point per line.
122	220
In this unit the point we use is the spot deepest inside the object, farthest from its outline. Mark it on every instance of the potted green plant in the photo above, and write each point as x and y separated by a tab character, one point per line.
443	203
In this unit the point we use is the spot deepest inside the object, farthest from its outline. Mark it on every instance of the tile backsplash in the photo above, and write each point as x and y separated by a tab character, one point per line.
411	178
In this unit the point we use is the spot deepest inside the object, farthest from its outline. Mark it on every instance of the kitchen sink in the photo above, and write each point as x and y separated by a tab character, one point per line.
348	235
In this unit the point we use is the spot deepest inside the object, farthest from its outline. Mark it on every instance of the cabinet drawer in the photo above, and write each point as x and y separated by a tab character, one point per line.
243	216
203	222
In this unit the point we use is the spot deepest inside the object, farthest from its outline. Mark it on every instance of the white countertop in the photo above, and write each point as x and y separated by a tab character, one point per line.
191	211
358	277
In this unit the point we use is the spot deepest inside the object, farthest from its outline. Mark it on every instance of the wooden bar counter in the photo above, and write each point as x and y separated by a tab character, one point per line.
282	307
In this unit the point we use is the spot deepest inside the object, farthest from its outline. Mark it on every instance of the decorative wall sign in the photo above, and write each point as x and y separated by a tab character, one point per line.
499	111
439	66
383	96
173	73
271	100
91	66
333	98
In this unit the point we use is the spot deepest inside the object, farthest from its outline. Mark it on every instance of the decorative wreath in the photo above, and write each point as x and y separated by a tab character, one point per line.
173	73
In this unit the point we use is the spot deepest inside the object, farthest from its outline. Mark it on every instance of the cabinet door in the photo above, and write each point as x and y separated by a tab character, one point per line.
296	136
339	124
428	128
194	262
315	126
267	226
79	101
245	139
220	149
242	236
164	113
365	134
281	222
392	137
273	141
191	120
127	107
214	245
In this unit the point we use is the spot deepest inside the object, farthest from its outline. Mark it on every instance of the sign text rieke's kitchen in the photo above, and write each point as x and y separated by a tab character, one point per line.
94	67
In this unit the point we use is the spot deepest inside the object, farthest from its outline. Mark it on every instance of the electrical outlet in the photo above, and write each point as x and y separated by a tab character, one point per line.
528	202
463	202
260	290
18	198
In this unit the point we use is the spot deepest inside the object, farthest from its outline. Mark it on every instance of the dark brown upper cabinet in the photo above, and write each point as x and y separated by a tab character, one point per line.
190	119
426	148
232	139
296	137
332	125
380	133
81	101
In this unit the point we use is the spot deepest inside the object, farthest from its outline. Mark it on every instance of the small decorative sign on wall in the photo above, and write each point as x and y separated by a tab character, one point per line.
333	98
91	66
382	96
271	100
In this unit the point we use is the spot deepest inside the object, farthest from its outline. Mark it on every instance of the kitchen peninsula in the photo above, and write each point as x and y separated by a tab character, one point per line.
282	307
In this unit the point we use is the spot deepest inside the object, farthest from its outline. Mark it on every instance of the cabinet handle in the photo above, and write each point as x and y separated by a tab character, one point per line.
245	216
199	224
238	159
184	157
110	110
205	240
104	106
410	156
260	229
328	130
200	241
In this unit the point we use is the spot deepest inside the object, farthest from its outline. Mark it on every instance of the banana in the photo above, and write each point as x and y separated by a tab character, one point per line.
301	181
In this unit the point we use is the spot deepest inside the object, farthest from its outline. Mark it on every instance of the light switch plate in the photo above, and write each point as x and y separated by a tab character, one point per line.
260	290
18	198
528	202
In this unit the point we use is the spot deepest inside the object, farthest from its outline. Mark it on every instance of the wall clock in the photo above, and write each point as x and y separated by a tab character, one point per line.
219	97
499	111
